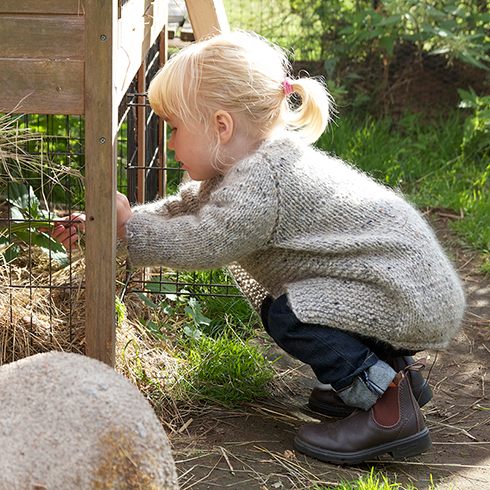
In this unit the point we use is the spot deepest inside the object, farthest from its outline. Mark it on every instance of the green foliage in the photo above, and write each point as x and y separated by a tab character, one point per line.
477	124
342	30
211	314
359	41
228	310
62	136
226	371
24	150
402	153
220	366
27	217
428	161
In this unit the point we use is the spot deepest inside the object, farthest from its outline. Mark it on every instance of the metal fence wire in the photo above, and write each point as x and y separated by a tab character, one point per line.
41	178
43	165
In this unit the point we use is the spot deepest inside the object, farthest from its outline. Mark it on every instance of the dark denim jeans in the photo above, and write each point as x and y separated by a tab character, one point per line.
352	365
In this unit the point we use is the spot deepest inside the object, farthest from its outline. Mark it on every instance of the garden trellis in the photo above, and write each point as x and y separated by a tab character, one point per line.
79	69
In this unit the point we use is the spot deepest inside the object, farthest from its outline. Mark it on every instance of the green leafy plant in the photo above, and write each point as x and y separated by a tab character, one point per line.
176	298
219	365
26	218
23	159
477	123
339	30
25	146
181	304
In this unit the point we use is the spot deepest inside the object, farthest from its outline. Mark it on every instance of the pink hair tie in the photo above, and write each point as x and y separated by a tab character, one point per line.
288	86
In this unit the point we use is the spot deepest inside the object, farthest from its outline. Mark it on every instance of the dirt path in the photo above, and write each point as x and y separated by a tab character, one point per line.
252	448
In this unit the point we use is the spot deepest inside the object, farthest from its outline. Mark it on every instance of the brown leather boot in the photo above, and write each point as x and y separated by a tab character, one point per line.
327	402
393	425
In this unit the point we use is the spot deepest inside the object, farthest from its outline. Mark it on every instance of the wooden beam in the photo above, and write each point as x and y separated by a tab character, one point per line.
207	17
162	125
43	6
138	28
141	135
42	86
50	37
100	178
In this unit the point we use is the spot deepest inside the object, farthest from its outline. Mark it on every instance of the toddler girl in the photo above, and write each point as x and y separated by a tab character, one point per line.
347	276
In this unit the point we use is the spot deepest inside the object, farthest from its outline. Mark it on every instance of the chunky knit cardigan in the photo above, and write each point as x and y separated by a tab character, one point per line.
288	219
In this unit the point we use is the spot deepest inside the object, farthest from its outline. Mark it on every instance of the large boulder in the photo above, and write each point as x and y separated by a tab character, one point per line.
71	422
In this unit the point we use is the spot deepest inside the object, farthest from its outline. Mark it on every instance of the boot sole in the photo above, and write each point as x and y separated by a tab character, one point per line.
410	446
422	397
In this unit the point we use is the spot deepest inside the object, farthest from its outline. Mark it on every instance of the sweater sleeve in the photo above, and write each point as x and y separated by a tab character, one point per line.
185	201
236	219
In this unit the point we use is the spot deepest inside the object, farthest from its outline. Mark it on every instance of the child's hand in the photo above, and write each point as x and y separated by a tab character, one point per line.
123	214
67	234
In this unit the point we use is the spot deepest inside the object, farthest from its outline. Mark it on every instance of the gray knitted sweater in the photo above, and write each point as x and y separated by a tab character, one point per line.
349	252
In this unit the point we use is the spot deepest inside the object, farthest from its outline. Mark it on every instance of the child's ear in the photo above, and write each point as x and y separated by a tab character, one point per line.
224	126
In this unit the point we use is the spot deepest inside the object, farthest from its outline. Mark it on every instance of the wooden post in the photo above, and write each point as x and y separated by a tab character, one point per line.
162	125
100	178
207	17
141	132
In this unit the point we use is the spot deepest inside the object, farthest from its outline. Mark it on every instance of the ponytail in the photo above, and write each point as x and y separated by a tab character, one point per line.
311	116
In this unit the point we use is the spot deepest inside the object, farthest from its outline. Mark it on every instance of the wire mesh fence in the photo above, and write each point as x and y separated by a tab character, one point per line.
41	296
43	156
42	181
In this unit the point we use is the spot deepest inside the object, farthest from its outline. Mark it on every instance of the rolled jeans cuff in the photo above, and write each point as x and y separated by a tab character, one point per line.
368	386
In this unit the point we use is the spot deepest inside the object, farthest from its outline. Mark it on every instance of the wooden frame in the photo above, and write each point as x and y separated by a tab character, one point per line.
100	179
207	17
78	57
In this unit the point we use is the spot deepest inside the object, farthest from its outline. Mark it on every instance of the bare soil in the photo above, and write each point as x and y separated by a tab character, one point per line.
252	447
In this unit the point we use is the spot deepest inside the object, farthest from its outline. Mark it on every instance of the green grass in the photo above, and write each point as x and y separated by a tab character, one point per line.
426	160
213	337
226	370
372	481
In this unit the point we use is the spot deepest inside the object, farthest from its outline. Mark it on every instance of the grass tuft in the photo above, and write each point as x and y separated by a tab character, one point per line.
226	371
372	481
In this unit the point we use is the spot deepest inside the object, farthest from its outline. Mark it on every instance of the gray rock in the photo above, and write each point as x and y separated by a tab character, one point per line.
70	422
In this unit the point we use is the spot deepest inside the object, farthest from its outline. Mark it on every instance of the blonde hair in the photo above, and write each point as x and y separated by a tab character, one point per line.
242	74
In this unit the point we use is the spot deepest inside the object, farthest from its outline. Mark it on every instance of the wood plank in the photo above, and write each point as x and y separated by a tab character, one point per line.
162	125
43	6
42	86
141	135
207	17
138	28
100	178
42	36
